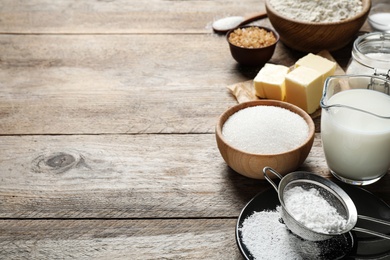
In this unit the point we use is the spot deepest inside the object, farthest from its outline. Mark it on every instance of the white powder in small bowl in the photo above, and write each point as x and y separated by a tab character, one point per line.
265	130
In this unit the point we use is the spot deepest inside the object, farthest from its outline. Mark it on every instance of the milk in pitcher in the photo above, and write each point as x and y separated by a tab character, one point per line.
356	143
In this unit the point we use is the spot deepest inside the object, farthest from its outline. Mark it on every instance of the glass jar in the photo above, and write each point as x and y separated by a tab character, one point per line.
371	55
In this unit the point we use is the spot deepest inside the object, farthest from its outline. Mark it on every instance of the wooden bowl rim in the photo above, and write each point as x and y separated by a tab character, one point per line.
276	34
366	8
295	109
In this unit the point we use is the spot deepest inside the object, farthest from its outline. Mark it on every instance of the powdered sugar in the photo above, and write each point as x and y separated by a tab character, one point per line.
311	209
227	23
266	238
265	130
318	10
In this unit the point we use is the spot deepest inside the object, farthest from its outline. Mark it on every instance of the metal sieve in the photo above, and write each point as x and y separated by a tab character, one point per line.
329	190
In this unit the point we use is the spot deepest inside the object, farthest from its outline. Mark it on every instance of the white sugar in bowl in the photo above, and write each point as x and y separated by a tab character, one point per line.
256	134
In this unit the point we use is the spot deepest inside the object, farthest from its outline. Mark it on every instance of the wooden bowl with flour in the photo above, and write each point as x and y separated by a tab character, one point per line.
314	36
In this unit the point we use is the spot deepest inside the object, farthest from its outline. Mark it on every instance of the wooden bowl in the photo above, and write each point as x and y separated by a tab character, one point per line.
251	165
317	36
252	56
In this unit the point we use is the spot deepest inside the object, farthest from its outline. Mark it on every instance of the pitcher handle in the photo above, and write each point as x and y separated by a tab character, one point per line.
269	179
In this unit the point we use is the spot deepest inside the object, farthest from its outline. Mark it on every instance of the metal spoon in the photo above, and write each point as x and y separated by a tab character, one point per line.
226	24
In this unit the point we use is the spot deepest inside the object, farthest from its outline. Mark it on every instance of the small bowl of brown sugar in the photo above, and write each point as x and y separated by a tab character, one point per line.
252	45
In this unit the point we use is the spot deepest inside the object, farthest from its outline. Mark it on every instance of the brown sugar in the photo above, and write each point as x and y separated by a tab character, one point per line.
252	37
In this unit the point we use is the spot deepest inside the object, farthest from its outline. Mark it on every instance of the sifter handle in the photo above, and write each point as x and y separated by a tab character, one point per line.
374	233
370	232
269	179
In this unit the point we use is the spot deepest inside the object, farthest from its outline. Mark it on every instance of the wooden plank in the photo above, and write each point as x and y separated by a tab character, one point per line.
116	84
74	84
119	17
128	176
84	17
118	239
79	82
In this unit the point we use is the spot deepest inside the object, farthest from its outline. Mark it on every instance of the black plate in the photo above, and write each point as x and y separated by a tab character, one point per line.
357	245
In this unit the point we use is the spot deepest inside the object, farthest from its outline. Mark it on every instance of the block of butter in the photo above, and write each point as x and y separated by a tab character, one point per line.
270	82
304	88
318	63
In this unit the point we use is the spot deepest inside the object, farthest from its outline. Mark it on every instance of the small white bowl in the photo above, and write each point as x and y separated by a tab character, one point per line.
379	17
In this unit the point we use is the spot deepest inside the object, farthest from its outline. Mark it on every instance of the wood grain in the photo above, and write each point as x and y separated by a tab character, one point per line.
125	176
124	239
79	82
118	17
128	176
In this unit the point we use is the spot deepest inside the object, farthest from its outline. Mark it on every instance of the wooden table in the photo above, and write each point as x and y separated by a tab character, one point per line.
107	116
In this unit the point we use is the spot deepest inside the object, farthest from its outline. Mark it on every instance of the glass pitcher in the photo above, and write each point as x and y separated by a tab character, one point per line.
355	127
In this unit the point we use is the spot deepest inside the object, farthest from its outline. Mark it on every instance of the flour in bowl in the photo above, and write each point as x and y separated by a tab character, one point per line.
318	11
265	130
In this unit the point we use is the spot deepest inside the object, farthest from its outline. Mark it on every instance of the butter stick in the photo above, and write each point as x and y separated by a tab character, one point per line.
270	82
304	88
318	63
